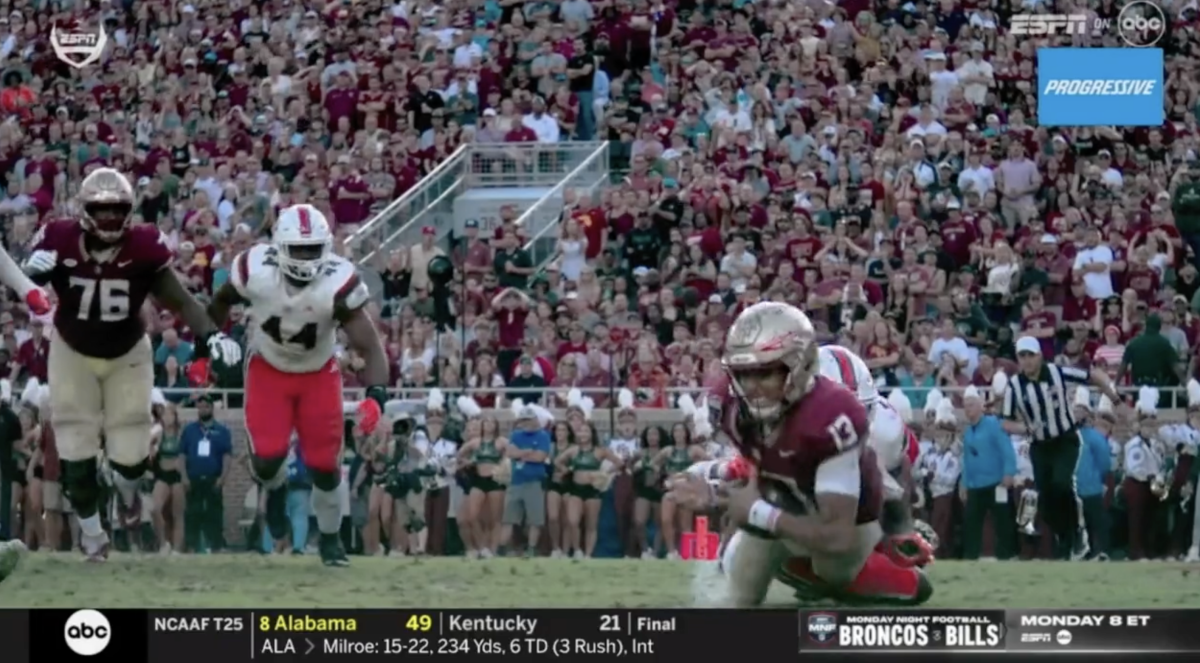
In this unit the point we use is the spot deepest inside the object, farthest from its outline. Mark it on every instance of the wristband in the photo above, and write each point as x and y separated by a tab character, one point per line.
764	516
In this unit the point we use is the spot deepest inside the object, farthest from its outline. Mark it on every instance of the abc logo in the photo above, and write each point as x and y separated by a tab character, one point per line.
87	632
1141	23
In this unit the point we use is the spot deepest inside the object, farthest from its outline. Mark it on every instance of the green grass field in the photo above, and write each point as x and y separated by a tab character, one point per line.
249	581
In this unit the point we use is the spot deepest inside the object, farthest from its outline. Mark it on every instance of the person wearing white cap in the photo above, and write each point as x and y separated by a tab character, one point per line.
1036	398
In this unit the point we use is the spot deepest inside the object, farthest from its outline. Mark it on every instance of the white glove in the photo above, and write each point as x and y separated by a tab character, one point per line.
224	349
40	262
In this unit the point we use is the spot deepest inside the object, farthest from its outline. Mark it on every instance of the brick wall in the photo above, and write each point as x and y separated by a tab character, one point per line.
240	482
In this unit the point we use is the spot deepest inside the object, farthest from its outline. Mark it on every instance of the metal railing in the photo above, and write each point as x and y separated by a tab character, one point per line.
471	166
495	165
1180	393
540	221
401	221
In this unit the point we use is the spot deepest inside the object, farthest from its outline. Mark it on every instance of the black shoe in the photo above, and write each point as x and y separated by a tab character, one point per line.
332	553
277	520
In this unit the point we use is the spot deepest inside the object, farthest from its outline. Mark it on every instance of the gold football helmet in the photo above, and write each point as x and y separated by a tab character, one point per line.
765	338
106	203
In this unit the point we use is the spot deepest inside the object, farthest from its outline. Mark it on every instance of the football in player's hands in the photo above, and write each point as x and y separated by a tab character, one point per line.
40	262
224	349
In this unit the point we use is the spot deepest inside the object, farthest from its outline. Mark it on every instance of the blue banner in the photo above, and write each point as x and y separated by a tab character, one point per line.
1100	87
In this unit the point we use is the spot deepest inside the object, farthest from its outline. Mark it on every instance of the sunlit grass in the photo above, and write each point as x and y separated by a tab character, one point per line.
251	581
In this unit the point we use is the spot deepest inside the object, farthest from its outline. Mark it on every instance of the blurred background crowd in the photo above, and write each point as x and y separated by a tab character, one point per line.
878	164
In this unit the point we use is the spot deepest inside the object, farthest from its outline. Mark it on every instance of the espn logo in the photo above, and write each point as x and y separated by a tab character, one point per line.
1036	637
87	632
823	628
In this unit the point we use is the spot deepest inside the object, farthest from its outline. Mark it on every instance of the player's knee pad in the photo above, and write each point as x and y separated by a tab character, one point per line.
750	563
81	485
131	472
268	472
326	481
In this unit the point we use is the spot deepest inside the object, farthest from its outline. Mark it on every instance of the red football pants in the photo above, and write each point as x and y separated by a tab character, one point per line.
278	403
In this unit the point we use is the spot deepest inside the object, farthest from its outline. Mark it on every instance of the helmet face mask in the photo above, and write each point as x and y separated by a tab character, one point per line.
303	242
771	357
303	261
106	204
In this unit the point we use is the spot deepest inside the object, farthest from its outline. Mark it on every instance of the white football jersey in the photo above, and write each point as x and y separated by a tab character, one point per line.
889	433
848	369
295	330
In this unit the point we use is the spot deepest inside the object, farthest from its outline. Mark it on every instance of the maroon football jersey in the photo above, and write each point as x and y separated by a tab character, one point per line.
826	422
100	303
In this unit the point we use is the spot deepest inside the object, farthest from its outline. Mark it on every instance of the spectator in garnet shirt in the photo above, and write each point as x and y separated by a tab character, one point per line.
511	308
32	354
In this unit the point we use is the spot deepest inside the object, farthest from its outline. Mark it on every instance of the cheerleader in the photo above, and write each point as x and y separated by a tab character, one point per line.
558	487
648	490
677	457
591	468
481	455
1143	476
624	444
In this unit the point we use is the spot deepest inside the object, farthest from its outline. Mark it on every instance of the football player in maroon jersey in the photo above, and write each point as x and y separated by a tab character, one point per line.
810	516
101	365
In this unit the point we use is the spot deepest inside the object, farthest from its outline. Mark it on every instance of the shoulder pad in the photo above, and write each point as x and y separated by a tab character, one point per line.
153	243
352	294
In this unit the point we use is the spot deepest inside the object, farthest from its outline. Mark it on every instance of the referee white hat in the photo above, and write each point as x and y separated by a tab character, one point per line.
1029	344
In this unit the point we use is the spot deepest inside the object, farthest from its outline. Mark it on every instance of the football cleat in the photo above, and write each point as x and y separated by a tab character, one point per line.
907	550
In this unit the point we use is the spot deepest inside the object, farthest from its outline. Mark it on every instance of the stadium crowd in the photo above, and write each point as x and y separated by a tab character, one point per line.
879	166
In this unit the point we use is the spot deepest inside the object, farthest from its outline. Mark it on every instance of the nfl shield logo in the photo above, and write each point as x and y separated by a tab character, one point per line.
823	628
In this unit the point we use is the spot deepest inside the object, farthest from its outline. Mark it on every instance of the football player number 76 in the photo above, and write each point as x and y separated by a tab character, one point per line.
112	293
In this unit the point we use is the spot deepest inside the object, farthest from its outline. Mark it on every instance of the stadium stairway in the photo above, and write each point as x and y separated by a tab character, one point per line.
475	183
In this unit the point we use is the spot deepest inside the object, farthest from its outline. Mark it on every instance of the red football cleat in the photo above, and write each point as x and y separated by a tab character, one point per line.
906	550
37	302
882	581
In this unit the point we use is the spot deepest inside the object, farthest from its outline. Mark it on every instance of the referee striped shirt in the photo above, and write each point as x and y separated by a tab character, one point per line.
1043	403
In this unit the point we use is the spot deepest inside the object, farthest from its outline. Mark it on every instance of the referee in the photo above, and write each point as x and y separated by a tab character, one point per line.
1037	397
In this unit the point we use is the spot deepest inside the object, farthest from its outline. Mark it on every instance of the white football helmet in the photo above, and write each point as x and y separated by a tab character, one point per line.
106	202
848	369
303	241
768	335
